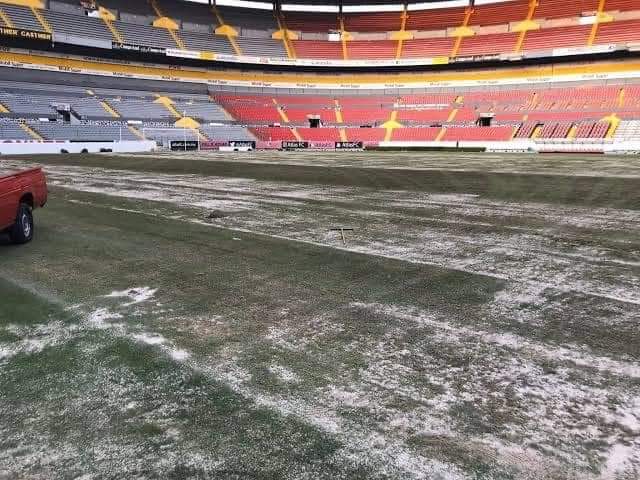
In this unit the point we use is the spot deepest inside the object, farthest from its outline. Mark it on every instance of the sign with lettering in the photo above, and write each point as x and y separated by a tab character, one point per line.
26	34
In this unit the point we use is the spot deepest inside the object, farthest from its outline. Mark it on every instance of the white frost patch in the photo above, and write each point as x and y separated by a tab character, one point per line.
579	356
629	418
35	338
619	460
150	339
284	374
100	316
387	454
179	355
285	339
136	295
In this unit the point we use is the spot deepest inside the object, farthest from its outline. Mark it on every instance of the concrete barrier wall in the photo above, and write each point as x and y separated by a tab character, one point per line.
35	147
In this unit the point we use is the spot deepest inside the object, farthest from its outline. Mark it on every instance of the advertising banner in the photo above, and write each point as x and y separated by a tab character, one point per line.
294	145
26	34
138	48
182	145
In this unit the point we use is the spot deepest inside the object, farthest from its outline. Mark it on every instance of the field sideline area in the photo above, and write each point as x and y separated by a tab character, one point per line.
199	316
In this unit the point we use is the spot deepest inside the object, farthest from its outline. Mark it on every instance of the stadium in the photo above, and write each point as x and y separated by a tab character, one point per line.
320	240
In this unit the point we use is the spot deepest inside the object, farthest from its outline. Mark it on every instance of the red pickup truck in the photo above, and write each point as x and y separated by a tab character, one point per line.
20	193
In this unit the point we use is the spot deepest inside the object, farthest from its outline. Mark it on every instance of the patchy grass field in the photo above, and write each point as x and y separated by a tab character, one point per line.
195	316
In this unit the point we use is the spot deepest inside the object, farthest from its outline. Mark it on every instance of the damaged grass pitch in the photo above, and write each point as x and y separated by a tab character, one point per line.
462	334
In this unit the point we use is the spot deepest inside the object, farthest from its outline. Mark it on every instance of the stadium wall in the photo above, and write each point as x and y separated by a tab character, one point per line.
38	147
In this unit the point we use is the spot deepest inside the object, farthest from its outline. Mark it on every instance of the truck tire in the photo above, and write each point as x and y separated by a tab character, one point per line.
22	230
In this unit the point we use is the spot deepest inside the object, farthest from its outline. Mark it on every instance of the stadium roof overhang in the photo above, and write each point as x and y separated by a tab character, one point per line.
347	5
360	3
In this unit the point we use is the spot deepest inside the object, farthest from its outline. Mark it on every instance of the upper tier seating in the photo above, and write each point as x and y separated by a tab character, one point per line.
427	47
620	5
371	49
157	37
311	21
372	22
433	29
551	9
500	13
248	19
435	19
261	47
488	44
617	32
549	38
318	49
75	24
22	17
131	12
196	17
206	42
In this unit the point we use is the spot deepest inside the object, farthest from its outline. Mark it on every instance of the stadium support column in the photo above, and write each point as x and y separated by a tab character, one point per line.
401	35
283	32
109	109
344	36
524	26
167	103
340	120
390	125
621	98
226	30
169	24
601	17
30	131
285	119
613	120
108	18
41	20
462	31
136	132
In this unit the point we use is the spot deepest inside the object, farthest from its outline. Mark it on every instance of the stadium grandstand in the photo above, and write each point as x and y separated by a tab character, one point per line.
522	73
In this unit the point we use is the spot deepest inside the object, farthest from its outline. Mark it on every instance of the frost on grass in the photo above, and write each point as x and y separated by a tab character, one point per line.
434	390
135	295
102	317
541	245
150	339
35	339
284	374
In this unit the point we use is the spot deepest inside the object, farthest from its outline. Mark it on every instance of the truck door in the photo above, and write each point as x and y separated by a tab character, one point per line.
8	205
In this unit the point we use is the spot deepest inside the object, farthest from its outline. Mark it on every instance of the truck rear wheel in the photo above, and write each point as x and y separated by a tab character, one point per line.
22	230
